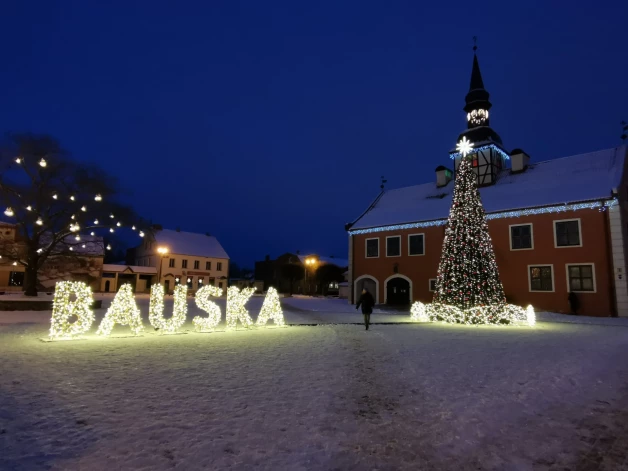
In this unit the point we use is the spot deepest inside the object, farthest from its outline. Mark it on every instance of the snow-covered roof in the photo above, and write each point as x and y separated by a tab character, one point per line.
583	177
339	262
190	243
111	267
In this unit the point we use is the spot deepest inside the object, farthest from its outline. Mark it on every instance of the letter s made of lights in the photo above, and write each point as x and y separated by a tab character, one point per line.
236	300
271	309
156	309
124	311
63	310
207	324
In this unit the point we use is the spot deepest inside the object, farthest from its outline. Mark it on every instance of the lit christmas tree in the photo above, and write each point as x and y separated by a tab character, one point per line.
468	288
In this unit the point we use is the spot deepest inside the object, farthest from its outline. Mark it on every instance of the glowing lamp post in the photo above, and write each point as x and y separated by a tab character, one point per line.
309	262
162	251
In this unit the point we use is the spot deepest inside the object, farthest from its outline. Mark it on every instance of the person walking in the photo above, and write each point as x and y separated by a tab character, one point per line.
574	303
367	302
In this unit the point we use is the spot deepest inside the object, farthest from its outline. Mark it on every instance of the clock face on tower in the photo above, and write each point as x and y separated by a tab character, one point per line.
478	117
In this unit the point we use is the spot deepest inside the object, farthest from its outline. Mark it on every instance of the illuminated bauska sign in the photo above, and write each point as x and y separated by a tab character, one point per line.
124	311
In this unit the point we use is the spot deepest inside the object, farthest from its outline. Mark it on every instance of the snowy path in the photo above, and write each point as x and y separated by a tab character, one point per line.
328	397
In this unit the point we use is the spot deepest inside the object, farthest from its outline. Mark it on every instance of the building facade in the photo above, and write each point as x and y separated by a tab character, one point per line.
74	261
179	257
557	226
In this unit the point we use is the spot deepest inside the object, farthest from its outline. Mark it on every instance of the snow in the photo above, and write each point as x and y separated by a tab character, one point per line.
578	178
408	396
190	243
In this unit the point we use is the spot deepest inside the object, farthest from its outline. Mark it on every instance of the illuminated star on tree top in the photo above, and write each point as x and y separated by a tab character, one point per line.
464	146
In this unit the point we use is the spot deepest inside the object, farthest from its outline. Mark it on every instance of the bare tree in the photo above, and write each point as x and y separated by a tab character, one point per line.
57	204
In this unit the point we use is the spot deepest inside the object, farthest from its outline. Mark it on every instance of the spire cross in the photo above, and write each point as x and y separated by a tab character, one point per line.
475	43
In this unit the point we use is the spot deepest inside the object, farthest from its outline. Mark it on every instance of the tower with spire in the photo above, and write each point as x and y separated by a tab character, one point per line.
488	155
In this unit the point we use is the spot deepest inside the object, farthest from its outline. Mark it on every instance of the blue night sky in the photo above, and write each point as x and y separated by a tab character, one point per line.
269	123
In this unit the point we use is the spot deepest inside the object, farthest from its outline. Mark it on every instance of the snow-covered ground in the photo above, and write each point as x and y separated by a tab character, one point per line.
408	396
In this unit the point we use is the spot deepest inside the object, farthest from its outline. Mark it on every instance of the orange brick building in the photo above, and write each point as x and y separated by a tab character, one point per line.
557	226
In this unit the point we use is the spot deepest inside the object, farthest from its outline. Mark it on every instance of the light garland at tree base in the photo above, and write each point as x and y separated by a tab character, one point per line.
498	314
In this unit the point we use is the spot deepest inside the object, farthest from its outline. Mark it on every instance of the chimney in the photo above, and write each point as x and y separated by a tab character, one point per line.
178	229
443	176
267	258
158	227
519	161
208	234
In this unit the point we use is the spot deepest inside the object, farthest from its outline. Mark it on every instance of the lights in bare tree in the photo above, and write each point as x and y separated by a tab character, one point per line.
118	224
83	208
96	222
141	234
9	212
98	198
18	160
43	163
108	247
55	196
29	208
72	198
39	222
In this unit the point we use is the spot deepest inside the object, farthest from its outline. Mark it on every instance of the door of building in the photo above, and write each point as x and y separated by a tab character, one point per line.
398	292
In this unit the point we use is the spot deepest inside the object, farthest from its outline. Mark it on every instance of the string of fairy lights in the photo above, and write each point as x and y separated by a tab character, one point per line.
72	318
75	225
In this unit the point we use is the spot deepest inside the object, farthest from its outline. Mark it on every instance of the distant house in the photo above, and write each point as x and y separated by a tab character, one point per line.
183	257
73	261
300	274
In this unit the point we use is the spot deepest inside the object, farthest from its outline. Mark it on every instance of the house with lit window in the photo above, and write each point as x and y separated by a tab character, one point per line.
557	226
180	257
72	261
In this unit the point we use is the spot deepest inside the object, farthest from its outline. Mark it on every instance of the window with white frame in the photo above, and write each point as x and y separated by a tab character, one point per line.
521	237
432	284
393	246
581	277
372	248
541	277
416	244
567	233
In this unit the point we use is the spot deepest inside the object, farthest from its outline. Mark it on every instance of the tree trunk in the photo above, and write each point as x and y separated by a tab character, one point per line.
30	280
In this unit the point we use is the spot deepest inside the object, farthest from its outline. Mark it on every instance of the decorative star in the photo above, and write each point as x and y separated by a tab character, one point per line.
464	146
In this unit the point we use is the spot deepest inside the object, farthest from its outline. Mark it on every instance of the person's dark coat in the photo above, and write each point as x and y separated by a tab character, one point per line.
367	302
574	302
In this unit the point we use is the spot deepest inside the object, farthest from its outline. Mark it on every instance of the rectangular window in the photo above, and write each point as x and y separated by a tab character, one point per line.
433	284
171	263
541	278
196	264
415	244
393	246
521	237
372	248
208	265
184	263
219	266
581	277
567	233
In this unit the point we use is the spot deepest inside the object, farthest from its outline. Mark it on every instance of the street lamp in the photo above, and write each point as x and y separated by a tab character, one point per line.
309	262
162	252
